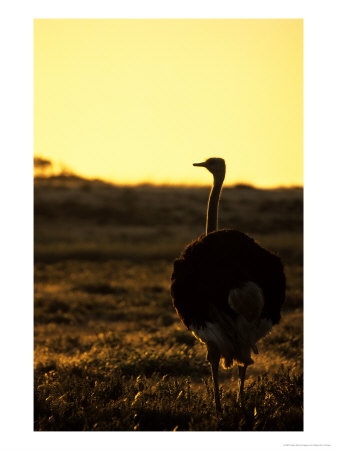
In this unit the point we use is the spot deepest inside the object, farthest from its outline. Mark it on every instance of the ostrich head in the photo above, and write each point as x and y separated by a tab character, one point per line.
216	166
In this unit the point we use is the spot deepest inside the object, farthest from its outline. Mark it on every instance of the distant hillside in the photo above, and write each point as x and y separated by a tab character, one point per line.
74	198
79	218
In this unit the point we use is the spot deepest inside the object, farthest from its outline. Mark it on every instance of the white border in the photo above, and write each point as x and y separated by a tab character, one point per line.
320	119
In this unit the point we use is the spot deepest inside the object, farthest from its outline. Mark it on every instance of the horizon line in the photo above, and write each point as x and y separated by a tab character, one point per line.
238	184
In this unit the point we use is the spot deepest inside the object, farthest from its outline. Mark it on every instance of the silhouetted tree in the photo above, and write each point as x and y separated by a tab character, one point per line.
41	165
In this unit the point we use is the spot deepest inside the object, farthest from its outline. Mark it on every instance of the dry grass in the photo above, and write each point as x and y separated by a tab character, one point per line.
110	353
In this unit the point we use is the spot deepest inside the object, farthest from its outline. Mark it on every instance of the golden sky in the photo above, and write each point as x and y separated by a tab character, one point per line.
134	100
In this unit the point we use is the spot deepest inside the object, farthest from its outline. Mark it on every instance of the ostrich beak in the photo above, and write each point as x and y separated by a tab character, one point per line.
202	164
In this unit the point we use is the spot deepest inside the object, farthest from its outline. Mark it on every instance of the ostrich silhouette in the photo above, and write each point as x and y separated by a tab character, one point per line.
227	289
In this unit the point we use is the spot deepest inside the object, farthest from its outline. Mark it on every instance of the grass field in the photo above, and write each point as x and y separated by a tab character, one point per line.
110	352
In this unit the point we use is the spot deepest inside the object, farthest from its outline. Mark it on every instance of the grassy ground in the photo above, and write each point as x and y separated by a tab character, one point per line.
110	353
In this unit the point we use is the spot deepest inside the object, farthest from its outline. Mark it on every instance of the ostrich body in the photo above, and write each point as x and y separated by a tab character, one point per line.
227	289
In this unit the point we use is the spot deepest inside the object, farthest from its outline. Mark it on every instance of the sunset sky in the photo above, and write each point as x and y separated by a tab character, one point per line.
140	100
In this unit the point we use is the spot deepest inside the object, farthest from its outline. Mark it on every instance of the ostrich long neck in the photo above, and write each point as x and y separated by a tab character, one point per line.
213	205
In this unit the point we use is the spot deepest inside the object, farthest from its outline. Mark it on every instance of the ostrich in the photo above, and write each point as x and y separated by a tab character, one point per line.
227	289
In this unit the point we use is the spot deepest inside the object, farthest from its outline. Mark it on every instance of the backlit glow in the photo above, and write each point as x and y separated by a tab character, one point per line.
140	100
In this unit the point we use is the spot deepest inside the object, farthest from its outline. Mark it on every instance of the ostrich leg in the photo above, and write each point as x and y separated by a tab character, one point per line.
213	357
242	375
